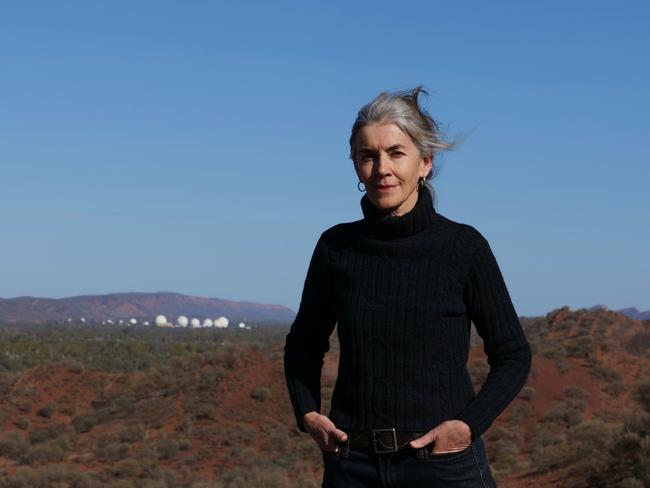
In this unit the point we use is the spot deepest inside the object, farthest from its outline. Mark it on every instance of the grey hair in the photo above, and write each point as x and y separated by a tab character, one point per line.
403	109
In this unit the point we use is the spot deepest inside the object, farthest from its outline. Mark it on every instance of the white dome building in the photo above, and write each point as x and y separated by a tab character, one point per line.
182	321
221	322
207	323
161	320
195	322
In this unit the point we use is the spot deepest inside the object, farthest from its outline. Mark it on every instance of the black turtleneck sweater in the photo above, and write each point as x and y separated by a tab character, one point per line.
401	291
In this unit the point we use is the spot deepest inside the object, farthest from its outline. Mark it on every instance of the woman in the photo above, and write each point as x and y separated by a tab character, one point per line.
402	285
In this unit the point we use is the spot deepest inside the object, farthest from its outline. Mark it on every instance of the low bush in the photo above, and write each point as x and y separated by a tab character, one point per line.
527	393
260	393
13	444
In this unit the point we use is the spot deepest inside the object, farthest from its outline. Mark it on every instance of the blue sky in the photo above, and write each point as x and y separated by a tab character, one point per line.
201	147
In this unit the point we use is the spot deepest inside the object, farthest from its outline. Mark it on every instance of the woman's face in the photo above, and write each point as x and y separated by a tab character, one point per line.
389	165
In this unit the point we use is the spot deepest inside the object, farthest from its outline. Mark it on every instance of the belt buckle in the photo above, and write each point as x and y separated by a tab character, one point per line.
393	448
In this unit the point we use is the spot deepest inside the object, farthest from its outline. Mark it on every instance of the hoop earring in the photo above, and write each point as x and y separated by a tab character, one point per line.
364	187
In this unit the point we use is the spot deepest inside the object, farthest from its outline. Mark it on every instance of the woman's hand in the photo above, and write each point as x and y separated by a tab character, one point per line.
449	436
323	431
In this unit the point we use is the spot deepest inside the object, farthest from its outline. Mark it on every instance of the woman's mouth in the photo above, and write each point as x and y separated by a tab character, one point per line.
384	188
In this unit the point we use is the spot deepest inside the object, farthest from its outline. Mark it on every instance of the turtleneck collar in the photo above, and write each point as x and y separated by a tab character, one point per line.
386	226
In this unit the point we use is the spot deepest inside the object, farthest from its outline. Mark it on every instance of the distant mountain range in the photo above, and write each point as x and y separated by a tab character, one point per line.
632	312
141	306
145	306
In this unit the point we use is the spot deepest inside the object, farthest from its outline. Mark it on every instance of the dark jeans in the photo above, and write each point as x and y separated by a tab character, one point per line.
353	467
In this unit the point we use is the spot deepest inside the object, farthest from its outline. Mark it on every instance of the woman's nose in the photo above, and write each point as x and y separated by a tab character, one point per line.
383	164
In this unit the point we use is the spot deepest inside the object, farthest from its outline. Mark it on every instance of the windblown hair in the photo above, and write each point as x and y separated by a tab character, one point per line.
403	109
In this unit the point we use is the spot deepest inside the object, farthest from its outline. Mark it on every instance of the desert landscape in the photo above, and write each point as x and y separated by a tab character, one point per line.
125	406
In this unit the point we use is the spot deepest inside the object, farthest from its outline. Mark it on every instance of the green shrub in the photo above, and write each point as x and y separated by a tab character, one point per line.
132	433
519	411
527	393
6	382
641	393
167	448
549	450
553	350
184	444
46	411
204	410
575	392
580	347
25	406
566	413
278	442
84	423
46	433
604	372
260	393
614	388
505	453
127	468
112	452
46	452
13	444
22	423
478	371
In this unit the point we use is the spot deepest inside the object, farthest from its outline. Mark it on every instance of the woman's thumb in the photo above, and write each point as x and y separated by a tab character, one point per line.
423	440
340	435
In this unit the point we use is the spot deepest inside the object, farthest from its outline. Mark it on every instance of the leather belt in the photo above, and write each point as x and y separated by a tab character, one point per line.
382	440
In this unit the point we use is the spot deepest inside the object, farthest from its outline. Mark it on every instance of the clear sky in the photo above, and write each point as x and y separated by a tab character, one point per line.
202	147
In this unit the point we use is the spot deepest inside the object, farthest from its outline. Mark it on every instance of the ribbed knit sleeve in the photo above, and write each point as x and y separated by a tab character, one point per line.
308	339
509	354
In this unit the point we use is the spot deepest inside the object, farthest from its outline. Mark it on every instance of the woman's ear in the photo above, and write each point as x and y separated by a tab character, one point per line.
428	165
356	170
